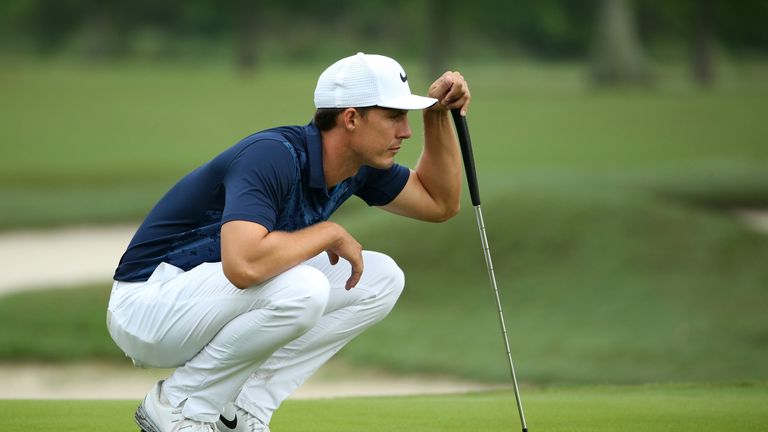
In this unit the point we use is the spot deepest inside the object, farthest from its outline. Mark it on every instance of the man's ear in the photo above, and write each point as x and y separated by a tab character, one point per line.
349	118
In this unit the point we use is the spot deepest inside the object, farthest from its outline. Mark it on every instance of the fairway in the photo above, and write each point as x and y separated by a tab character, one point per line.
679	408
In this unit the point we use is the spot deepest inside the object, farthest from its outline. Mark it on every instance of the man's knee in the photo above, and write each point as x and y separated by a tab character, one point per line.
309	291
386	277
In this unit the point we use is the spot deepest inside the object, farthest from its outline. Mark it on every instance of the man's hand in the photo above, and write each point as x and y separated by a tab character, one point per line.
251	254
451	91
348	248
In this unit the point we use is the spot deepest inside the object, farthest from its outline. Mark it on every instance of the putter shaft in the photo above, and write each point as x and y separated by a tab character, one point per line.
492	277
462	131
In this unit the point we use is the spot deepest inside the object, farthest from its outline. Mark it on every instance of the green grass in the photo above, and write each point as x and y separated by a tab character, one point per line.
101	143
57	325
677	408
605	287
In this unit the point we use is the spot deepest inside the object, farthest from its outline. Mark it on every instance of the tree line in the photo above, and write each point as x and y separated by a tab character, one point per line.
432	29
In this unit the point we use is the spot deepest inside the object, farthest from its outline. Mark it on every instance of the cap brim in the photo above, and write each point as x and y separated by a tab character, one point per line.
409	102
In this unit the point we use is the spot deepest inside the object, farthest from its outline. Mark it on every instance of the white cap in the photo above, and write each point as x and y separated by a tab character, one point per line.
364	80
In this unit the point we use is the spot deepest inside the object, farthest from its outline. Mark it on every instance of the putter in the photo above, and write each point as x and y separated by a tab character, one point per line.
469	165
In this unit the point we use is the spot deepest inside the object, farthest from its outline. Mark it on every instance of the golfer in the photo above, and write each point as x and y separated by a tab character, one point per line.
238	280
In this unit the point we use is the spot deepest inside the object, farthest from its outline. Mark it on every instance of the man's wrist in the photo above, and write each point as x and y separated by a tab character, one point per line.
436	116
435	113
332	231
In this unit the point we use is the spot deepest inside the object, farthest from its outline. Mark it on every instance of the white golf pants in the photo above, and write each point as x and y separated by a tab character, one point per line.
254	346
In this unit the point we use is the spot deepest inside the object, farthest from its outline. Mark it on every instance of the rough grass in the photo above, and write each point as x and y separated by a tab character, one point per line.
56	325
602	287
101	143
678	408
597	287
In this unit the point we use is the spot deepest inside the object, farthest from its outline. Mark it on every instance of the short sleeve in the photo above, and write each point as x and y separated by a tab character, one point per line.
257	183
381	186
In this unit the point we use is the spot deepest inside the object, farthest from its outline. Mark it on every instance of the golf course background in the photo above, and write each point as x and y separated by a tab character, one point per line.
609	213
634	295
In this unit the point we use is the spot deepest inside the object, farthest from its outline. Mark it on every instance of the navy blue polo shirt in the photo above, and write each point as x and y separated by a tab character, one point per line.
273	178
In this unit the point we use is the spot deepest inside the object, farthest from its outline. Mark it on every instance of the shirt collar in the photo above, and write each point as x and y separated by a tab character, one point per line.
315	156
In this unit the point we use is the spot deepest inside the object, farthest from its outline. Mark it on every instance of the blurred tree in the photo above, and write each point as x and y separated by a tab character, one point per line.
702	61
550	29
707	29
245	33
48	24
439	35
686	24
740	25
694	30
618	56
98	29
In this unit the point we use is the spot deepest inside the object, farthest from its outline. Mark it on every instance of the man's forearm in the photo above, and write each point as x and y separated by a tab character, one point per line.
250	261
439	167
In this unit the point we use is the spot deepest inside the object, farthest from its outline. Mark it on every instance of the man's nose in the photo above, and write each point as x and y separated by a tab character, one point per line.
405	130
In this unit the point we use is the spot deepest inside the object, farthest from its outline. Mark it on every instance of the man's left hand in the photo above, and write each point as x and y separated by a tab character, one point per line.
451	91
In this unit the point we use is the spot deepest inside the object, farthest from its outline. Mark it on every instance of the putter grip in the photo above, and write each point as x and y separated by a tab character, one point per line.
466	153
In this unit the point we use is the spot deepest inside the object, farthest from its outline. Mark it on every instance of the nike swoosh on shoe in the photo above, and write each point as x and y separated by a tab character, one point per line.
231	424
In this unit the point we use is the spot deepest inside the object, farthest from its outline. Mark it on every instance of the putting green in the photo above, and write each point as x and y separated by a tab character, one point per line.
659	408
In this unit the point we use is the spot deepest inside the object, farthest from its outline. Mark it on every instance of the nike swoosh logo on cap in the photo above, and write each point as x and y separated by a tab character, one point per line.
403	78
231	424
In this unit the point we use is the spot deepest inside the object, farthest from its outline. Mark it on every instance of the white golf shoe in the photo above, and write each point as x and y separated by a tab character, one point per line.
235	419
155	414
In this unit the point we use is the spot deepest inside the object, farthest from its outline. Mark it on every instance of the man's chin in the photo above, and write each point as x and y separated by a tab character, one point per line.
385	164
